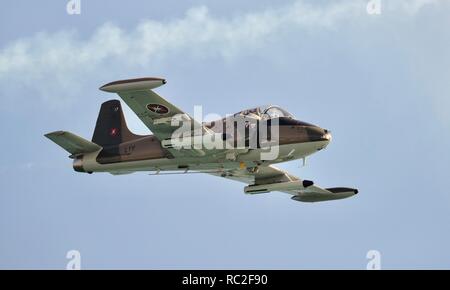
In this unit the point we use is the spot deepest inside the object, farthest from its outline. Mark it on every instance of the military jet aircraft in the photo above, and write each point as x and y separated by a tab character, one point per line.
241	147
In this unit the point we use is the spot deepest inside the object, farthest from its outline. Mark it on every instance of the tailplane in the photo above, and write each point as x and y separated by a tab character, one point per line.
72	143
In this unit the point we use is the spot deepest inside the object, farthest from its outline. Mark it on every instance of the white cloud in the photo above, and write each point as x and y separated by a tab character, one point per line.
64	57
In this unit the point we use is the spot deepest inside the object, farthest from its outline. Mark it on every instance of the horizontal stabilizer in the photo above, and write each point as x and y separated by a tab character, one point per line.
72	143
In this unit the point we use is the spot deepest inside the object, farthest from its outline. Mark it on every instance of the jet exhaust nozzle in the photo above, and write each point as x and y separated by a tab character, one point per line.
78	164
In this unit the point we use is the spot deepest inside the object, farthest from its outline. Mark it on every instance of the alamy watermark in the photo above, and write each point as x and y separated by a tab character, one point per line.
373	7
74	262
242	131
73	7
374	258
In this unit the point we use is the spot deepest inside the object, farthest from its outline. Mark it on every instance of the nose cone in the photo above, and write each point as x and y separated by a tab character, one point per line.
327	136
316	134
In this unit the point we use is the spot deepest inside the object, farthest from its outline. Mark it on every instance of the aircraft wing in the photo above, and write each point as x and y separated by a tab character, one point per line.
154	111
270	178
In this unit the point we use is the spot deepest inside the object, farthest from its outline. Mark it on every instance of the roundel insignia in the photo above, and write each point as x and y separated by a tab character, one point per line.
158	109
113	132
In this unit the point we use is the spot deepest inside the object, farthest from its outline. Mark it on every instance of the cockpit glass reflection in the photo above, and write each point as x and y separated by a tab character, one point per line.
266	112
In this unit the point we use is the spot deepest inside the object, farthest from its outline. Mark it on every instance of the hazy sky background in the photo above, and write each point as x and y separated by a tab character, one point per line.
380	83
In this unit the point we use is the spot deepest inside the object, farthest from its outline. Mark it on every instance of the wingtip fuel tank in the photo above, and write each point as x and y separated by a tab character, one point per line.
133	85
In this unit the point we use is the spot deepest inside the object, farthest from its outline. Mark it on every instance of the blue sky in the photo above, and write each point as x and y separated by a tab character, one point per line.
381	83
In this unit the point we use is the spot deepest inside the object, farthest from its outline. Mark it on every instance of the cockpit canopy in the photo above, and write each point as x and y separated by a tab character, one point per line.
266	112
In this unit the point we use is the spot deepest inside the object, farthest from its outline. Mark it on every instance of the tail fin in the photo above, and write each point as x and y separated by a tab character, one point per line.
111	128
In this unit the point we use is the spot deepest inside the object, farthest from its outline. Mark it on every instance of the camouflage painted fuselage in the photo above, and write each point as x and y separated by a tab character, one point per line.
296	139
